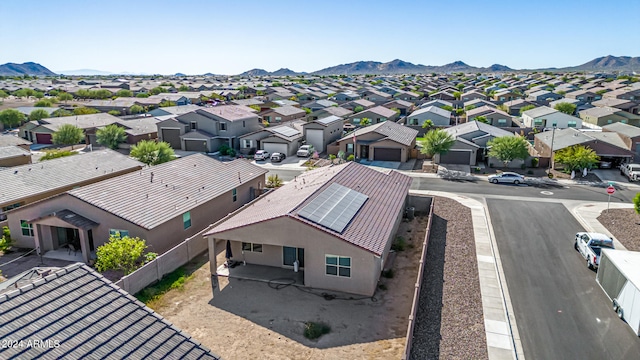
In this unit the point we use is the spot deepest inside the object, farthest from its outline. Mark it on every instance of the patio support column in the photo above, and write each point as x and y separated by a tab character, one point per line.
37	239
84	245
213	263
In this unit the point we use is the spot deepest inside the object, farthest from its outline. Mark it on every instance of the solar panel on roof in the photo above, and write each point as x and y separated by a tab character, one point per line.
286	131
328	120
334	208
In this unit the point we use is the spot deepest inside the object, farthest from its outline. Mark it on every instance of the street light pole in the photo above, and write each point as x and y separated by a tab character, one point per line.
553	133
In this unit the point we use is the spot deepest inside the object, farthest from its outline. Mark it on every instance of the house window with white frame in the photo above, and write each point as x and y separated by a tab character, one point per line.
223	126
537	122
337	265
251	247
572	124
502	122
246	143
119	233
234	193
27	229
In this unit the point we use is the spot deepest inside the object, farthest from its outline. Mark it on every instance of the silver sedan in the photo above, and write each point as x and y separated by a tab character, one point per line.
507	177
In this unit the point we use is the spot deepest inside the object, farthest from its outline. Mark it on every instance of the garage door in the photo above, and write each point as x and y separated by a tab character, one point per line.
456	157
386	154
195	145
275	147
316	138
172	136
43	138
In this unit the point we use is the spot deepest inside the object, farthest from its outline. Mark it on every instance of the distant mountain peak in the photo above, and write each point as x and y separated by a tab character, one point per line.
28	68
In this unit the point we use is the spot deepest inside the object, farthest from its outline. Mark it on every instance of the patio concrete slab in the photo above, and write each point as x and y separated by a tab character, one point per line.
262	273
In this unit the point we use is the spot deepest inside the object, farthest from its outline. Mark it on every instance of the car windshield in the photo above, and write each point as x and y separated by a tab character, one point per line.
602	243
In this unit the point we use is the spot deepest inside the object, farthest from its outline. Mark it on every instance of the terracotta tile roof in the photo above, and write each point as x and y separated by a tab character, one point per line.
369	229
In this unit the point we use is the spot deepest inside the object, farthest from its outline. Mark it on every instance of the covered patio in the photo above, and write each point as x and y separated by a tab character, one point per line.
269	274
64	235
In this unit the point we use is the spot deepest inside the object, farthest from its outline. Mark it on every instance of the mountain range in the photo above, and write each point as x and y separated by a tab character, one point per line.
605	64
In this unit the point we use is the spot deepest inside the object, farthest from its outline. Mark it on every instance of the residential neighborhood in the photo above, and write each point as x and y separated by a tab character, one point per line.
195	205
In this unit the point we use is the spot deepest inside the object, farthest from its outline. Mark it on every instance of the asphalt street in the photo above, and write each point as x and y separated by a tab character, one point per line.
561	311
560	191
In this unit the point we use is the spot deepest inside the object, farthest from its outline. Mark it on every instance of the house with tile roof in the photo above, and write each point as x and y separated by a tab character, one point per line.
283	138
385	141
25	184
76	313
375	115
41	131
14	156
335	224
546	117
163	204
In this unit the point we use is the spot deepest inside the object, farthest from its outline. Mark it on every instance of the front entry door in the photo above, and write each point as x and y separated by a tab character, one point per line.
291	254
364	151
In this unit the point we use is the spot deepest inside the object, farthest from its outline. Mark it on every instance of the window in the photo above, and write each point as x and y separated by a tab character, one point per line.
338	265
502	122
246	143
609	121
572	124
278	119
414	121
9	207
119	233
554	124
234	193
194	125
251	247
27	229
244	123
223	126
186	220
537	122
623	121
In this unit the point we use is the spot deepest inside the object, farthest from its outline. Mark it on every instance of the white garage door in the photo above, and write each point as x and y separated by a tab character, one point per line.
316	138
275	147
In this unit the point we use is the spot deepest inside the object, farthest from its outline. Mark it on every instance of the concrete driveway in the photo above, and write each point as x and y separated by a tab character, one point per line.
561	312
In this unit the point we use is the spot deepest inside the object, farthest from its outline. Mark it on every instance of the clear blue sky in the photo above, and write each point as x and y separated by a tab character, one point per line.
229	37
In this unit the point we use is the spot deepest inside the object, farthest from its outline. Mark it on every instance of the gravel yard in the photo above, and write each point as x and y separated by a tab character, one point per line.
450	323
623	224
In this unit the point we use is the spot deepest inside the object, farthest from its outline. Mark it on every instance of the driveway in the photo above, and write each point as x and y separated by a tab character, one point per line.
562	313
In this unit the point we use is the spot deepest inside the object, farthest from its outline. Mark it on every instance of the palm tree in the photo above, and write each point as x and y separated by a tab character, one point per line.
436	142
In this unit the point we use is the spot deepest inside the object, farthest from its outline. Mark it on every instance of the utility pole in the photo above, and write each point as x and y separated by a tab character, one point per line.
553	133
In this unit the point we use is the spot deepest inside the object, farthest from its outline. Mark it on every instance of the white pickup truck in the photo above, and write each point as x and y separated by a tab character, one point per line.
589	245
631	171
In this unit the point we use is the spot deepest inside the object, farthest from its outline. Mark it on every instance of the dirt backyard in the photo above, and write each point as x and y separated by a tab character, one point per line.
252	320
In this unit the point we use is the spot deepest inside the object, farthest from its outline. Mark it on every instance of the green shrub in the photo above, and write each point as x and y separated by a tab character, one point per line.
173	280
332	157
224	149
54	154
5	244
534	162
6	232
399	244
313	330
350	157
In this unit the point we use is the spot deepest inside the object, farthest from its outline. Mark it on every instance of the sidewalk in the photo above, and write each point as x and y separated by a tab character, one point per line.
587	215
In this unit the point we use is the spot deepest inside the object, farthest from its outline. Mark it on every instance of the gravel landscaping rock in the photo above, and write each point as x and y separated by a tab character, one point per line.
450	323
624	225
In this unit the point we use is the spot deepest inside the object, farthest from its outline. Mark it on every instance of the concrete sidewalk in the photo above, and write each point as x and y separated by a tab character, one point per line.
503	339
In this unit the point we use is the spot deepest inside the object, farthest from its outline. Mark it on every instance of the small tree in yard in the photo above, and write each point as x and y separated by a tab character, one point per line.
576	157
436	141
636	203
67	134
111	136
151	152
122	254
39	114
482	119
566	108
427	124
508	148
136	109
11	117
274	181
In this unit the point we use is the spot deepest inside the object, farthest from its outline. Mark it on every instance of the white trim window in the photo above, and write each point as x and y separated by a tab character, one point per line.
246	143
337	265
27	228
119	233
251	247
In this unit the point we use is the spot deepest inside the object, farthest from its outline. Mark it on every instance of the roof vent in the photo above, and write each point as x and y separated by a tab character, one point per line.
15	172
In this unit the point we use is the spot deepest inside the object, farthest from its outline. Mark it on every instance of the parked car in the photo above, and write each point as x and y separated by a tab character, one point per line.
261	155
590	245
631	171
305	151
605	165
507	177
277	157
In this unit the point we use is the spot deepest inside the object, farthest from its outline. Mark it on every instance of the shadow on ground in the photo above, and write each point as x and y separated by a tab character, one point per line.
286	309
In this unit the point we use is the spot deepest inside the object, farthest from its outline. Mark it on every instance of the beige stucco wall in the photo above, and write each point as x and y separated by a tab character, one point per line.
285	231
15	161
